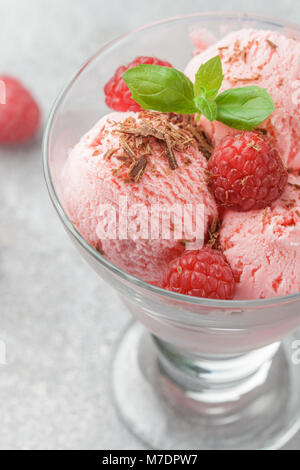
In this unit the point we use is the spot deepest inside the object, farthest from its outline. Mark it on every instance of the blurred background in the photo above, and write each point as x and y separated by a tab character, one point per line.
58	321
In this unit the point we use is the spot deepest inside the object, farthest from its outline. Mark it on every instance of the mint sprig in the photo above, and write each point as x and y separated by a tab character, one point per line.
168	90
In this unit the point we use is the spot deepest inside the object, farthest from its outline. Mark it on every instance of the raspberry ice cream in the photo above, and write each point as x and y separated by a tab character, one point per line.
269	60
263	247
97	173
132	162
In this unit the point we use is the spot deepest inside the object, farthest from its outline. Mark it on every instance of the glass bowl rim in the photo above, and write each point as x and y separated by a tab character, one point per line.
172	296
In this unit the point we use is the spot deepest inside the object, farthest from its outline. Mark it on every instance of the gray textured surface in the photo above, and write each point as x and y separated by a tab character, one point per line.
58	320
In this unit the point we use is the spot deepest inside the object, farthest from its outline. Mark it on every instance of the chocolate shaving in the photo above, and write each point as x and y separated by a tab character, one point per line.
123	158
98	248
271	44
295	186
185	242
138	168
214	233
204	145
187	161
246	79
236	52
145	130
127	149
280	82
171	156
261	131
245	55
109	154
117	171
139	141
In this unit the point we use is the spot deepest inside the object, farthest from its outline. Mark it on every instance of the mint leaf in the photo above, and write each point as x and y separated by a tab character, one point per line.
210	77
207	107
244	108
162	89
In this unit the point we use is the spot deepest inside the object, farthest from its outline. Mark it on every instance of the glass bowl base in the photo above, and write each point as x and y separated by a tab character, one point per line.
165	416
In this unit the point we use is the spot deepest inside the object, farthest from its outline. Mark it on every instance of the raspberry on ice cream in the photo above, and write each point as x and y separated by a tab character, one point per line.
202	273
118	96
246	172
263	246
269	60
100	170
19	115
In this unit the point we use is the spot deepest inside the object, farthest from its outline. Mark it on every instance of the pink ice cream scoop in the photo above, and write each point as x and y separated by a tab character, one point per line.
263	247
269	60
111	195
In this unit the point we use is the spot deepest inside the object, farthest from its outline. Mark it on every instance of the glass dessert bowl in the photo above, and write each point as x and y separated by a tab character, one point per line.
211	374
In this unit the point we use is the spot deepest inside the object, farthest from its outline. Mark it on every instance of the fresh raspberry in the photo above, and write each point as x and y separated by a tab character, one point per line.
247	172
118	96
201	273
19	115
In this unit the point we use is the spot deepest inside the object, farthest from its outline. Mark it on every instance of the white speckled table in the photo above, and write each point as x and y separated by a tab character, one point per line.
58	320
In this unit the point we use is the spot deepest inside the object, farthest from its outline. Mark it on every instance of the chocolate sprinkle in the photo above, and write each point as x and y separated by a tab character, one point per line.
214	233
271	44
138	168
145	130
252	78
261	131
109	154
203	142
127	149
171	156
296	186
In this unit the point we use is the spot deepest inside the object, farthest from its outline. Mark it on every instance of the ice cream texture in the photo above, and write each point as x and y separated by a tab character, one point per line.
269	60
97	174
263	246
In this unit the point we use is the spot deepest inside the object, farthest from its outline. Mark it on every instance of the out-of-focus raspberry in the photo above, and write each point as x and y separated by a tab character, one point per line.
19	114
